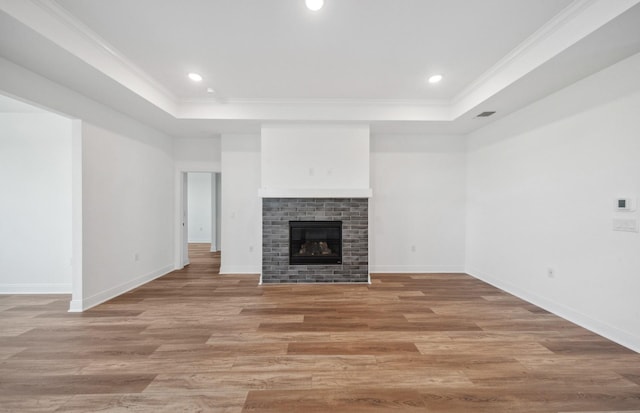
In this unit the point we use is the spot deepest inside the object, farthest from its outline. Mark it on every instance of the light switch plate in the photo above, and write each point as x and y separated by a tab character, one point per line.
626	225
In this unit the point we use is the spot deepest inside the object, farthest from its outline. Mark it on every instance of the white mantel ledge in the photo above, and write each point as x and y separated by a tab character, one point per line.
315	193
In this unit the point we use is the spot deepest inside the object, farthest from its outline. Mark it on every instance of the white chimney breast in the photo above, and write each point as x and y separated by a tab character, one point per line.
315	161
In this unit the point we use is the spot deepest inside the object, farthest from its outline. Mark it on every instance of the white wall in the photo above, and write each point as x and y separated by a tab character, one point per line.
315	156
199	206
198	150
241	208
35	177
418	207
128	199
541	187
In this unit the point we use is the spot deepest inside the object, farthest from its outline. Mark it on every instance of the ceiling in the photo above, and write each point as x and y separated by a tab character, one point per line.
352	61
351	49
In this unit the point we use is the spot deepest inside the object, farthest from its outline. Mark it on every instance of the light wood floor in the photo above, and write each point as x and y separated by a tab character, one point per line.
195	340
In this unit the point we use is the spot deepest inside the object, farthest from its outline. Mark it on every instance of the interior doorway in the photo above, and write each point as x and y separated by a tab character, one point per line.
200	217
41	169
200	256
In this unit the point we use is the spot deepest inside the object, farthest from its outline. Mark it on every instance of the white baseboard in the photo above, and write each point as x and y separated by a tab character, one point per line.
240	269
615	334
106	295
75	306
179	267
385	269
62	288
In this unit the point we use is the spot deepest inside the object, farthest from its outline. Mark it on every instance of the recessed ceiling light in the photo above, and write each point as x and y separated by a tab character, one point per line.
435	78
195	77
210	90
314	5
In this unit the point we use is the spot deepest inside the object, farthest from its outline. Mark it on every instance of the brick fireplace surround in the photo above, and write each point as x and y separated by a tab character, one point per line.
276	214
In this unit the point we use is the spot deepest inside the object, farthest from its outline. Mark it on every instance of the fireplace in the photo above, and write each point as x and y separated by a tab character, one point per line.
346	253
315	242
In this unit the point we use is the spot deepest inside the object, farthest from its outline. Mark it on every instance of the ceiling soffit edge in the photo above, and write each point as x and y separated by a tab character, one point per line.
575	22
55	23
291	110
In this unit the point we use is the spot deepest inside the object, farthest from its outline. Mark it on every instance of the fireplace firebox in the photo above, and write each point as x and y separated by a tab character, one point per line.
315	242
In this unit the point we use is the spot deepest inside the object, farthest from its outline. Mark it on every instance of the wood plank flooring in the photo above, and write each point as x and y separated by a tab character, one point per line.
198	341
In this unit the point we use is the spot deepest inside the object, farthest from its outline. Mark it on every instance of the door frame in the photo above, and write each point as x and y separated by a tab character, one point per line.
181	170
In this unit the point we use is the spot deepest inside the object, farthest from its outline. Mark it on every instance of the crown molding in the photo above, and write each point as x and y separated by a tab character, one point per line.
575	22
57	10
316	101
55	23
536	38
314	110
